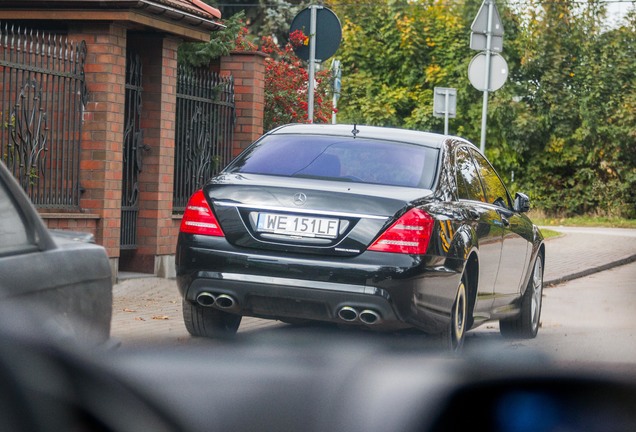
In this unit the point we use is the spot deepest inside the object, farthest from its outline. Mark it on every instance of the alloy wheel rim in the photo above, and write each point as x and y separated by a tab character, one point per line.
460	314
537	289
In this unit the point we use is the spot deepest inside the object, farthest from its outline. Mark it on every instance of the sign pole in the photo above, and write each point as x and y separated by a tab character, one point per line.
312	64
337	75
446	110
484	112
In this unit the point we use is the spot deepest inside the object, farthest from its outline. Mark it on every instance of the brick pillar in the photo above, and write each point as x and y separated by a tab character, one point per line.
248	70
102	130
156	229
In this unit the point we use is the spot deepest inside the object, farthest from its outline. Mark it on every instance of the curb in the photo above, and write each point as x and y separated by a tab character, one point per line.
589	271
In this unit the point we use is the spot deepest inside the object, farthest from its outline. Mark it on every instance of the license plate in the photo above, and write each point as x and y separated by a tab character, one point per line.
304	226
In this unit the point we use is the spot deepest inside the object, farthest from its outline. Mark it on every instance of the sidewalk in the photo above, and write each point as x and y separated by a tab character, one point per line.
148	309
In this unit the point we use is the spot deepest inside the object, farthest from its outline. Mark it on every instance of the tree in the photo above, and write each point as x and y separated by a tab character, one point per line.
579	91
563	125
286	86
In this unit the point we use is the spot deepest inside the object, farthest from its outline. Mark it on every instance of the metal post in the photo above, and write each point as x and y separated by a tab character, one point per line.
312	63
333	113
446	109
484	112
335	69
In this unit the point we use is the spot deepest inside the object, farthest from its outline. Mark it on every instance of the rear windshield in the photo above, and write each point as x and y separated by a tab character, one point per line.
337	158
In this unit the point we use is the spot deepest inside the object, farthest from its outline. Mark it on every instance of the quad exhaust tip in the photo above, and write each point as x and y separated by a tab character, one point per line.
351	314
369	316
206	299
225	301
347	313
221	301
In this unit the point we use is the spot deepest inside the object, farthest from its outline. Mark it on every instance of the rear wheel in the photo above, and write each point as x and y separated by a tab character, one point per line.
452	338
209	322
526	324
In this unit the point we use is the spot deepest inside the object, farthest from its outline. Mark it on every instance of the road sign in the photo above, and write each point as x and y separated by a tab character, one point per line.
498	71
480	23
445	104
479	42
328	32
440	108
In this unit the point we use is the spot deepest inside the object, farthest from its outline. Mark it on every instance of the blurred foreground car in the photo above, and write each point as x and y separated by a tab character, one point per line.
367	226
60	277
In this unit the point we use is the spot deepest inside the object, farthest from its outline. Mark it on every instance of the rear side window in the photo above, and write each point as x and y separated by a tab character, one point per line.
343	159
468	183
496	192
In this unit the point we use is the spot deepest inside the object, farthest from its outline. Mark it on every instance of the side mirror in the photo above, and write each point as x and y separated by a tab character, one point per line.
522	203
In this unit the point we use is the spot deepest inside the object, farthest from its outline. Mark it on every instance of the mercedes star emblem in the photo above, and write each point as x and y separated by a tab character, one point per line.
300	199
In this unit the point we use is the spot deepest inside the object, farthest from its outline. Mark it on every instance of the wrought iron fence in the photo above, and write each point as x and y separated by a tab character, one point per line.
42	95
204	130
133	153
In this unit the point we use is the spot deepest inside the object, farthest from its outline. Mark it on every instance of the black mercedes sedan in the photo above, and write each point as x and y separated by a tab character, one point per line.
357	225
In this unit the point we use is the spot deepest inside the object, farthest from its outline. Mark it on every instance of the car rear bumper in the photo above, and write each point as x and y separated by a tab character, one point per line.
379	290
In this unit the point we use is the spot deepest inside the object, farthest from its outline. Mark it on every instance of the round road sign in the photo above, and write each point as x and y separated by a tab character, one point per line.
328	33
498	71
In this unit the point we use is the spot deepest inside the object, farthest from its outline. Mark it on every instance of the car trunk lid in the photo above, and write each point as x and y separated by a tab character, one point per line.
306	215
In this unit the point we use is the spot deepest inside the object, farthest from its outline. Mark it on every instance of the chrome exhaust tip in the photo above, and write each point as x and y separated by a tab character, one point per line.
347	313
206	299
225	301
370	317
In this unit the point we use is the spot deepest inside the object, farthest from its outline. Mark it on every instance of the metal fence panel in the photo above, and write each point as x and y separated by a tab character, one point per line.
133	153
204	130
42	95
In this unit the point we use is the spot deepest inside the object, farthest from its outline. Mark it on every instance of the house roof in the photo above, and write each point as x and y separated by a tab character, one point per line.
192	19
195	6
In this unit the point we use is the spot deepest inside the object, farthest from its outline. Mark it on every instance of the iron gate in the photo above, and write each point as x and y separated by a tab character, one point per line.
204	130
132	153
42	96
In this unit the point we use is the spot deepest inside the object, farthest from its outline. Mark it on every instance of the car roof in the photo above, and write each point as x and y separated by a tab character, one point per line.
428	139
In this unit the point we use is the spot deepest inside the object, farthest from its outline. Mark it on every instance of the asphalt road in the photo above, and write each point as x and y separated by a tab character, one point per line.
590	321
584	321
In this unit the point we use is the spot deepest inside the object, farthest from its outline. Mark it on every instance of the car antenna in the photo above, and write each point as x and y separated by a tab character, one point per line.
355	131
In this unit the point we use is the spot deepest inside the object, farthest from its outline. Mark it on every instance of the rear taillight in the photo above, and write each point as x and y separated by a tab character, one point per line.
410	234
198	217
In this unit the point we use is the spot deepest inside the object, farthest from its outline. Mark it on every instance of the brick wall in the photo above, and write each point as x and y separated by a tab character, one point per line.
248	70
101	161
157	231
102	130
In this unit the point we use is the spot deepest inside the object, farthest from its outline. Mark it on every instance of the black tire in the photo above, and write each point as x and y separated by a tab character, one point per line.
526	324
209	322
452	339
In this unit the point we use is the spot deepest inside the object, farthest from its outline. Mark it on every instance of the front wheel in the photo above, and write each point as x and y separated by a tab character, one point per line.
209	322
526	324
452	338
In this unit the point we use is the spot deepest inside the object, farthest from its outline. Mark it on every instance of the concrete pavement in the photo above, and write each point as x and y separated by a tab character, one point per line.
148	309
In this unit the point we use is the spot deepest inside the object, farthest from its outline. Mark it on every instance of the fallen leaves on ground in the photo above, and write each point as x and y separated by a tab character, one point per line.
160	317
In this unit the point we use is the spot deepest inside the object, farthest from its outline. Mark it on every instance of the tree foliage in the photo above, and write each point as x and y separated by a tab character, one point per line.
563	126
286	79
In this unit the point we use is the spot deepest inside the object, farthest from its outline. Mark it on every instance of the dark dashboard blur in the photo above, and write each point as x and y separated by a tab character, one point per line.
301	381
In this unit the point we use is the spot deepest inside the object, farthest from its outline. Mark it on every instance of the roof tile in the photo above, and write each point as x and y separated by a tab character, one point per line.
197	7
